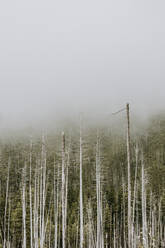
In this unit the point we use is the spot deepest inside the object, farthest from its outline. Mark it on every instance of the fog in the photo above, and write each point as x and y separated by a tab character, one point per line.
59	58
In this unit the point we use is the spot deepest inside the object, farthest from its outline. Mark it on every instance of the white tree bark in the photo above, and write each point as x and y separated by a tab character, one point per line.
65	163
63	190
56	199
129	180
66	189
36	205
24	205
124	212
100	239
81	191
144	217
8	232
43	193
30	196
134	198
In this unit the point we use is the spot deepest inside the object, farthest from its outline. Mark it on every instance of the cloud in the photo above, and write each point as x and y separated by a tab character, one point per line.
62	57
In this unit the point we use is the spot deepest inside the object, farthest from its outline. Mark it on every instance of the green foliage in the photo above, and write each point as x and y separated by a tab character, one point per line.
113	179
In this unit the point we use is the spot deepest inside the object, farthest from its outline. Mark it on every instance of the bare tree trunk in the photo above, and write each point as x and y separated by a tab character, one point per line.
66	189
36	205
8	232
42	193
63	191
101	219
56	202
106	246
144	217
150	221
134	199
129	180
30	197
98	245
114	231
40	201
124	214
24	205
81	192
100	240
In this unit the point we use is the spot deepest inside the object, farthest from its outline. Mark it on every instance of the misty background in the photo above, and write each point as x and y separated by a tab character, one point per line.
59	58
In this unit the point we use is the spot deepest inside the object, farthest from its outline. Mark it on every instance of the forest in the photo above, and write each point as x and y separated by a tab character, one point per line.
86	186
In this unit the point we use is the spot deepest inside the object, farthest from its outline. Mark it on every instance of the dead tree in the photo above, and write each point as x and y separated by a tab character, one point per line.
129	179
24	205
100	239
81	191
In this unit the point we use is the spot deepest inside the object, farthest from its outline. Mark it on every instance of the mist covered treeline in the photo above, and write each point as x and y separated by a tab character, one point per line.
69	188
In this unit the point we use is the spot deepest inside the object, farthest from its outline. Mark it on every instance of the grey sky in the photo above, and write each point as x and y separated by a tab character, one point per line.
64	56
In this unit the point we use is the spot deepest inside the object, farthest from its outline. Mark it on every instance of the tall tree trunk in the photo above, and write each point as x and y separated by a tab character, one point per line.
100	240
42	193
129	179
56	203
36	204
91	234
66	190
124	214
81	191
24	205
134	198
8	232
30	197
144	216
63	191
